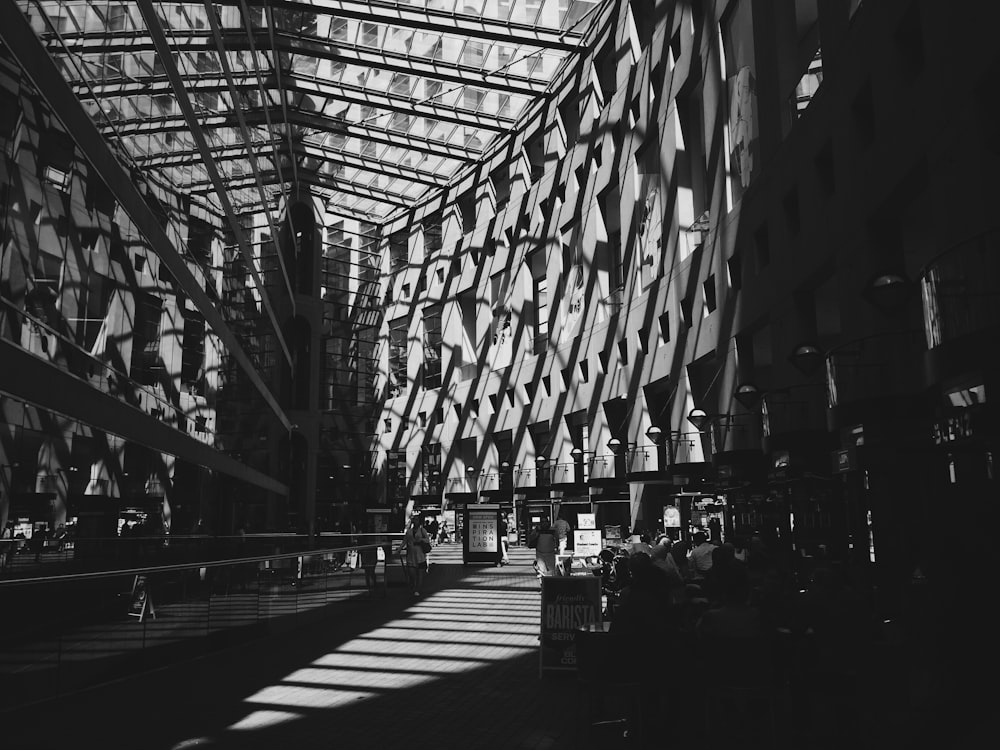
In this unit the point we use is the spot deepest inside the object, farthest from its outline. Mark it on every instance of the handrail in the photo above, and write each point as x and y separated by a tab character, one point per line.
185	566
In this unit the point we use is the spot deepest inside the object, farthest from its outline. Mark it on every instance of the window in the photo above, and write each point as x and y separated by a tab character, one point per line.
430	468
709	290
55	158
395	475
146	362
541	302
665	327
432	233
735	273
192	348
432	347
397	356
398	251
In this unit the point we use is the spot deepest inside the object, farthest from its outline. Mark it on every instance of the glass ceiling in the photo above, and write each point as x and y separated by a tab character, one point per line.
372	104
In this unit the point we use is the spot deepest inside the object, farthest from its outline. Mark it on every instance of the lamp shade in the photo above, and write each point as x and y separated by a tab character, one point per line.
655	434
807	358
748	395
698	418
888	291
615	444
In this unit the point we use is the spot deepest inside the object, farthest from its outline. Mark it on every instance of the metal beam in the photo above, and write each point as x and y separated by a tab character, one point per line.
300	84
325	181
184	102
17	34
306	150
437	21
29	378
196	40
255	117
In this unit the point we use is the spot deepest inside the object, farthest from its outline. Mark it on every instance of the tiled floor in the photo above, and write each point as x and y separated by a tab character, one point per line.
456	667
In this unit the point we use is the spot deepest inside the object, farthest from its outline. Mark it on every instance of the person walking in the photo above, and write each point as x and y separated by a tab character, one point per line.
416	543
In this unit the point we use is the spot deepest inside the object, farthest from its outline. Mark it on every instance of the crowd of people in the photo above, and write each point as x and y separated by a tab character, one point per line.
727	618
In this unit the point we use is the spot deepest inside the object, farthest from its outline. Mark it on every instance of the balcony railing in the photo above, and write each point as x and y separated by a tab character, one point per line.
874	367
533	476
603	467
639	460
569	473
462	484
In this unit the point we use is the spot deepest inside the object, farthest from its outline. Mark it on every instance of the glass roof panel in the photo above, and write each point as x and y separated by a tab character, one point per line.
377	102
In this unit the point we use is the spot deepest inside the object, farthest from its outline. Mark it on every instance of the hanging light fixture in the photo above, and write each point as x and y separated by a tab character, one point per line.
698	418
807	358
887	291
748	395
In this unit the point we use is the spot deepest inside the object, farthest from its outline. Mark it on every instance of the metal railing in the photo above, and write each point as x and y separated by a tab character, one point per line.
61	633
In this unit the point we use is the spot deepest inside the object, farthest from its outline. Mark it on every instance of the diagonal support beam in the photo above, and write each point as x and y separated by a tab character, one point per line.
27	377
36	64
184	102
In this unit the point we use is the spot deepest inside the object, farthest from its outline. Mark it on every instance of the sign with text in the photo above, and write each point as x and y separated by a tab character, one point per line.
483	533
586	520
568	603
586	542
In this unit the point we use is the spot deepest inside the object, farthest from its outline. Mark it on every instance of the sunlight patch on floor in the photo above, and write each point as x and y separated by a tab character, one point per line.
448	633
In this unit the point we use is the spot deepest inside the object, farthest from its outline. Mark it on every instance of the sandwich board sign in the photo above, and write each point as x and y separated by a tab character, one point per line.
141	603
568	604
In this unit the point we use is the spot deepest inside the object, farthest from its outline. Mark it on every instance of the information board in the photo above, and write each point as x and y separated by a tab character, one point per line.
568	603
481	535
586	520
671	517
483	531
587	542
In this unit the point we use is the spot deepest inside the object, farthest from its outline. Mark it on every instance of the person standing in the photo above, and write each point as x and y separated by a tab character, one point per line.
504	551
562	529
543	539
700	558
416	543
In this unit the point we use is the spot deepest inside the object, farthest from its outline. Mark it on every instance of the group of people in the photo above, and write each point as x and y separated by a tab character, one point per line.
723	615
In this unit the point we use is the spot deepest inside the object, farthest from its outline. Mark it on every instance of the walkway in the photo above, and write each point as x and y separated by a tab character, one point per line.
455	668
